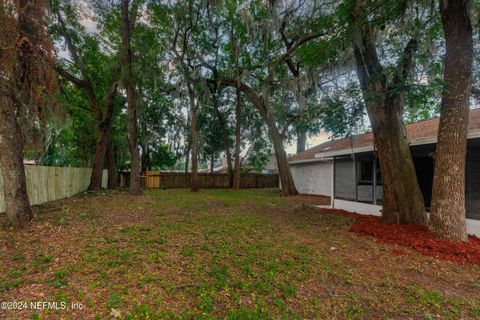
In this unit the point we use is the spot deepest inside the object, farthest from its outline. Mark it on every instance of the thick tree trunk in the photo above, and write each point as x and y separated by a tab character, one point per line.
99	159
402	198
301	141
286	179
112	168
238	114
447	218
135	187
194	139
17	205
106	119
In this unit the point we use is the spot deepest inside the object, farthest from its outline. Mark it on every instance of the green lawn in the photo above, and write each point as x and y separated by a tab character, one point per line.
216	254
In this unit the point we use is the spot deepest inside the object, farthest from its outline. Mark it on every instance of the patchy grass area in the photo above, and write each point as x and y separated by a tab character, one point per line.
251	254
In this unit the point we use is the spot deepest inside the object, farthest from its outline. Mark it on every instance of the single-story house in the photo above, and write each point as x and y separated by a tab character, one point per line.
347	170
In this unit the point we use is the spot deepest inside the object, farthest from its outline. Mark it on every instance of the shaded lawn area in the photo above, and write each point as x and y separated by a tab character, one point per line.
247	254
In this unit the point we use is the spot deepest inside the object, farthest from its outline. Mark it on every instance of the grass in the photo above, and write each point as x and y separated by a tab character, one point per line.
220	254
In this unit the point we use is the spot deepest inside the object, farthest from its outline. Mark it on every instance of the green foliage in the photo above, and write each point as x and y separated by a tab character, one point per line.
162	157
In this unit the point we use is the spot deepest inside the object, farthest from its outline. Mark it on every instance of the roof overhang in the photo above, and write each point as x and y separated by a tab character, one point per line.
472	134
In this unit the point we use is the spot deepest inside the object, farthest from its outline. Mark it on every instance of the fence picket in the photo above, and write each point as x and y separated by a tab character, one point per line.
158	179
46	184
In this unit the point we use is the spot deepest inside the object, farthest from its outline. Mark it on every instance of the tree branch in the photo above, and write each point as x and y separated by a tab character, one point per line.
405	63
70	77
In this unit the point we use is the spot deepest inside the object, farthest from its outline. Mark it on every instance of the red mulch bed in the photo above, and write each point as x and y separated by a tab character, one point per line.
415	237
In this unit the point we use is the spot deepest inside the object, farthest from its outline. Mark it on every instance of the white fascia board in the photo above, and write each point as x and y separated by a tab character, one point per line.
343	152
322	159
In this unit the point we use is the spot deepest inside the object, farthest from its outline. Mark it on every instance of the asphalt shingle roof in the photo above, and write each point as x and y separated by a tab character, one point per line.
422	129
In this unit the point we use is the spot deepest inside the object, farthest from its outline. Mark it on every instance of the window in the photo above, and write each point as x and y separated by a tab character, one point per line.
366	171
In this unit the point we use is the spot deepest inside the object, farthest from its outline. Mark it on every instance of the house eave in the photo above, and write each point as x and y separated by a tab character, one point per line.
472	134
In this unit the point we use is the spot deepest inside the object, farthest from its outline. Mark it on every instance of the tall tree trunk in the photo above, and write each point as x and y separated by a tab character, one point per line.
106	119
112	168
187	159
402	198
286	179
17	205
447	218
146	161
127	60
99	159
238	114
212	162
194	139
301	141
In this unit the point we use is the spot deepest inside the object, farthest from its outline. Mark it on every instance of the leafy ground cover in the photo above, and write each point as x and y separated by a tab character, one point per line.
249	254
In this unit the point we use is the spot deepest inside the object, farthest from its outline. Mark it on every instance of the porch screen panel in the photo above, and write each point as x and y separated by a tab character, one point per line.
345	184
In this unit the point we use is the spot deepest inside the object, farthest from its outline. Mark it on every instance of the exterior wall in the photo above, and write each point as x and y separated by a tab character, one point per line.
313	177
473	227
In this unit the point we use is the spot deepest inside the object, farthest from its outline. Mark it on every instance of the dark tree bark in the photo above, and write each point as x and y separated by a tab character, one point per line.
286	179
105	129
194	186
99	159
402	197
447	219
238	114
17	205
127	61
26	74
212	162
146	160
112	168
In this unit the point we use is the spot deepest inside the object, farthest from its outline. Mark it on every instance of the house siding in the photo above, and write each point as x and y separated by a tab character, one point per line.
313	178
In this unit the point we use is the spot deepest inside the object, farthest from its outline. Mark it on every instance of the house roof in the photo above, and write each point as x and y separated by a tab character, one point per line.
415	131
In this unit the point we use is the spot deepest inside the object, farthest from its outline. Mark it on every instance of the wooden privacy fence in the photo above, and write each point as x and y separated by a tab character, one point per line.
46	184
158	179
